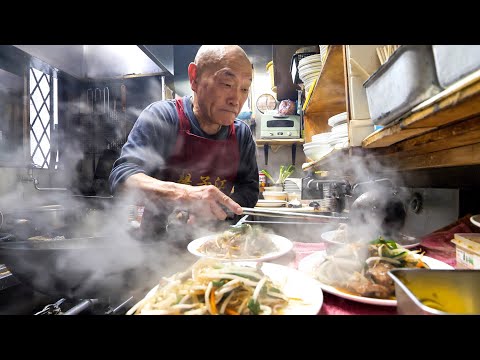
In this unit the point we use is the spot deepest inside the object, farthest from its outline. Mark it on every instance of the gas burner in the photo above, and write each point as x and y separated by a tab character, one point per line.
86	307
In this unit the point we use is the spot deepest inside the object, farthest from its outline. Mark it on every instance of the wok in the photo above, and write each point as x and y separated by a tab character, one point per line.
87	268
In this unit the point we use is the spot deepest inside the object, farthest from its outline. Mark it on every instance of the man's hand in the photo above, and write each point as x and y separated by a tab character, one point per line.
203	203
207	202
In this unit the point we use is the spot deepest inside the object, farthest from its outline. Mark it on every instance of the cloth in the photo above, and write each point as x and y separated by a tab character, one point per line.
200	161
196	161
438	244
153	138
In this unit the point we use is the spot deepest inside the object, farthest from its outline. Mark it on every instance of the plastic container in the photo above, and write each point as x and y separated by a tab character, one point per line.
453	62
404	81
467	250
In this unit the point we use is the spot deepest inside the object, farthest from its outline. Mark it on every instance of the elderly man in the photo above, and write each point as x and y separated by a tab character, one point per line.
192	153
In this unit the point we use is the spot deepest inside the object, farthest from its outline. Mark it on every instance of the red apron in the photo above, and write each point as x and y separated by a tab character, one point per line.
198	161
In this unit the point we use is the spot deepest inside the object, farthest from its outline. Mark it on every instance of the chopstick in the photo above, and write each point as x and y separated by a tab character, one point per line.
289	214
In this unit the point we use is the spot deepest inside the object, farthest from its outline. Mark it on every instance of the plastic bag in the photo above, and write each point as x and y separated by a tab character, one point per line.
286	107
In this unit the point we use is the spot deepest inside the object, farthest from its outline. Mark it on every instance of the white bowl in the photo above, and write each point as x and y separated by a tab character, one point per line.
337	119
275	195
317	152
321	138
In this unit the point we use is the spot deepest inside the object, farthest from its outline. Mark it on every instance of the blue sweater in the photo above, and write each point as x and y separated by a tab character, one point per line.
153	139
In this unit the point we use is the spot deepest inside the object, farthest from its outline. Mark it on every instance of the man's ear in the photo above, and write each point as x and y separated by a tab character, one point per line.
192	76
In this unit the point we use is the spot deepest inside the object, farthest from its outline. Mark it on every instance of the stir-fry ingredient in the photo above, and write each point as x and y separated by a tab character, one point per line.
211	287
363	268
243	241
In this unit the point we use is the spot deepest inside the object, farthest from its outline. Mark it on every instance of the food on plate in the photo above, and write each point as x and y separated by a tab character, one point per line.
239	241
210	287
341	235
362	268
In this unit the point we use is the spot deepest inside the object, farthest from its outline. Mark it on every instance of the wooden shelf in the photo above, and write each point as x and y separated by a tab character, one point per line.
329	95
261	142
441	132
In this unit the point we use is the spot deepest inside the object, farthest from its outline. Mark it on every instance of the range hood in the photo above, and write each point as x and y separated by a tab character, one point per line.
105	61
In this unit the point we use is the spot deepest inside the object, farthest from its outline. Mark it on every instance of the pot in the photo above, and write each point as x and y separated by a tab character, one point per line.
378	212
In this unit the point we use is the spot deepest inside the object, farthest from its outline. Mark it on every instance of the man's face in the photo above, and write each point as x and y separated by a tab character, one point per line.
221	92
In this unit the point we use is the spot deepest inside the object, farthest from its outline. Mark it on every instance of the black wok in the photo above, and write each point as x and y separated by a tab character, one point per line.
87	268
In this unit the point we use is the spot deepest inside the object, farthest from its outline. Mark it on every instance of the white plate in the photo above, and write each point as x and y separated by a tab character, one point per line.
283	245
407	242
309	263
271	203
475	219
295	284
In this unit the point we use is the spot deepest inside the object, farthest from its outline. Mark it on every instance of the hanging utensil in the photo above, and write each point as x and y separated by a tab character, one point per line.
106	101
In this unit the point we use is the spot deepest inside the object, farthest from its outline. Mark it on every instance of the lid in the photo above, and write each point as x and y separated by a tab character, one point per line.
468	240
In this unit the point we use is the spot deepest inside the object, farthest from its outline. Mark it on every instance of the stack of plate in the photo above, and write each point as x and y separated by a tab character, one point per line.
308	69
323	52
293	186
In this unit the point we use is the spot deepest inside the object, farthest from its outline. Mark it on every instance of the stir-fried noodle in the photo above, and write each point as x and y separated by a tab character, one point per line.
215	288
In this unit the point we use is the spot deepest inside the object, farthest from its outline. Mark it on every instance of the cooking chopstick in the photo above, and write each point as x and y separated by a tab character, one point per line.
289	214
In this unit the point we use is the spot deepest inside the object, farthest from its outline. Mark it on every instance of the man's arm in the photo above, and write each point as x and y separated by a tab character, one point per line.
148	146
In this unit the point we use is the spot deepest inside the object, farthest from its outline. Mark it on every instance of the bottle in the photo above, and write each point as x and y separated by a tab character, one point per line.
262	180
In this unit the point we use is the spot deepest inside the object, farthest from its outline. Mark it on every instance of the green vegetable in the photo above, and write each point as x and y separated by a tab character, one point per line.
284	173
254	306
219	283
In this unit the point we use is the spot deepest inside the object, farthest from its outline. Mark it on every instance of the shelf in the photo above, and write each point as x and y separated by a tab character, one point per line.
441	132
329	95
261	142
459	101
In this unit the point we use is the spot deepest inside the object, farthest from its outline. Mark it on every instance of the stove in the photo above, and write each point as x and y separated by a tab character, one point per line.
19	299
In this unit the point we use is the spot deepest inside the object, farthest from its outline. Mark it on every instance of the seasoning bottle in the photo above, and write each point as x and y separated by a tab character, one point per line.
262	181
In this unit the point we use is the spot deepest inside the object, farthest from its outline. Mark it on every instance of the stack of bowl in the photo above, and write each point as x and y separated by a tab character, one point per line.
318	148
339	134
308	70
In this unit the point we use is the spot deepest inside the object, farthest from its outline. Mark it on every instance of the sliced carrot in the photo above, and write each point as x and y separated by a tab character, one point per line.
231	312
213	306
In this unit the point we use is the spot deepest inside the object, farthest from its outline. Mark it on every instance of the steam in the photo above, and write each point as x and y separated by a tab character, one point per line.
102	254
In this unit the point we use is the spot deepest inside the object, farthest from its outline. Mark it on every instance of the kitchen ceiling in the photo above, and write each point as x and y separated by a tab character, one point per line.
95	61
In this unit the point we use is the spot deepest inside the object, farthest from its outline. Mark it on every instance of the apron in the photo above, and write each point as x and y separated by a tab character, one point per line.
195	161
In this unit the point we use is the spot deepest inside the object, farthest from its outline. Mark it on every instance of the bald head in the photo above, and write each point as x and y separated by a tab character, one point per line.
219	56
220	77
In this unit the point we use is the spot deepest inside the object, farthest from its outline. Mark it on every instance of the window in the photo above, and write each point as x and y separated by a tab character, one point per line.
43	117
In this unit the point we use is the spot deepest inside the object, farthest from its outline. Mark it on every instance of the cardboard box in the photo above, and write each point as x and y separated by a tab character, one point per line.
467	250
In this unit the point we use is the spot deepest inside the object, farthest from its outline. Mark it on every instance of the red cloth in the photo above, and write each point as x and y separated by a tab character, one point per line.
438	245
201	161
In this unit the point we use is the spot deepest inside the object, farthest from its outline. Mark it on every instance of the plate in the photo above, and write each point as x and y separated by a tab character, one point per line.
271	203
309	263
306	292
407	242
475	219
295	284
283	245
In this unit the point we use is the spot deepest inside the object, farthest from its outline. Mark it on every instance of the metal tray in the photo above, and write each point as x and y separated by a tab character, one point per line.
405	80
453	62
436	292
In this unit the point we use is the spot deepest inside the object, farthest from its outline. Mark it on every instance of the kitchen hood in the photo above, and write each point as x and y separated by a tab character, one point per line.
105	61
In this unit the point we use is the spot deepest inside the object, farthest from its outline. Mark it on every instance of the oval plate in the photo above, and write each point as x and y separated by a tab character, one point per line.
310	263
283	245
